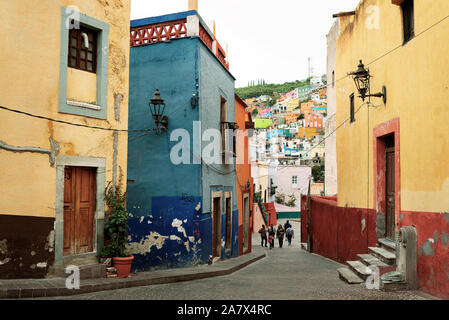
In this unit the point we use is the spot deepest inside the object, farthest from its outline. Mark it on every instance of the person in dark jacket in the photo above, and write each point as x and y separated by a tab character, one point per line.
290	234
280	232
263	235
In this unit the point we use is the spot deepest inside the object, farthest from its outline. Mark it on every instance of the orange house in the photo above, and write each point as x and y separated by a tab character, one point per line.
313	121
291	117
244	181
306	107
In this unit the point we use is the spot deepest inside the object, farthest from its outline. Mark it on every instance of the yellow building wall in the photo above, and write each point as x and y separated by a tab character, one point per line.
416	78
81	86
29	81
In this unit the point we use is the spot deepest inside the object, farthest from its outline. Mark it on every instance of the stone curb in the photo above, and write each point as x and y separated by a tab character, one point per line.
34	288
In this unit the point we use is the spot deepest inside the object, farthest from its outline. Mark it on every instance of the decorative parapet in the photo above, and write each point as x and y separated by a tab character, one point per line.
175	26
160	32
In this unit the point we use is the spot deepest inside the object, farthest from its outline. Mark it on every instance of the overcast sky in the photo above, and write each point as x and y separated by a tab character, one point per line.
269	39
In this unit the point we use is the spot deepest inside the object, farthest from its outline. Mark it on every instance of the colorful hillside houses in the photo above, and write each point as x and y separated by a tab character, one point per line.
182	209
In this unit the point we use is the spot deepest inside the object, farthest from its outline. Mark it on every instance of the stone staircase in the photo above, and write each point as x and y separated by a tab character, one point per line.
384	257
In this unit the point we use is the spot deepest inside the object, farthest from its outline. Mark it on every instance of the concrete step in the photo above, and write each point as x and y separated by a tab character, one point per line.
370	260
348	276
88	271
383	255
387	245
360	269
87	264
393	281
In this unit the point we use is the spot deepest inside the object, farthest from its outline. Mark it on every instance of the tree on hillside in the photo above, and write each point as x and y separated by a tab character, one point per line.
254	112
318	173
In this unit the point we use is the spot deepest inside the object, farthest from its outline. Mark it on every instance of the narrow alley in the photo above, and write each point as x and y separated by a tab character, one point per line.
287	273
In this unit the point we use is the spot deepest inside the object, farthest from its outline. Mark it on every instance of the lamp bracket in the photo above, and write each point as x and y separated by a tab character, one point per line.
382	95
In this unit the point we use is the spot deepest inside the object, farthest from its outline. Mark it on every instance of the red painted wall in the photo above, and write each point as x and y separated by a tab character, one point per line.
243	168
272	215
338	233
433	250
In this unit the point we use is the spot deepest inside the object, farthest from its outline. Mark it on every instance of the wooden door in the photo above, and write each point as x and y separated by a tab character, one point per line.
79	208
390	193
216	234
228	231
245	223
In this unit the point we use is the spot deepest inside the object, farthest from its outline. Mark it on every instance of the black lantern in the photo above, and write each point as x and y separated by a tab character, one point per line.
362	82
157	108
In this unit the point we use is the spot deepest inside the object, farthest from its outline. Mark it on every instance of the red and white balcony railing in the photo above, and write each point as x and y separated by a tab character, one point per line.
166	31
158	32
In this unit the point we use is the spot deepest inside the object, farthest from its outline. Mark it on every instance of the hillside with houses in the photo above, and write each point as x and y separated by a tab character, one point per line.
289	135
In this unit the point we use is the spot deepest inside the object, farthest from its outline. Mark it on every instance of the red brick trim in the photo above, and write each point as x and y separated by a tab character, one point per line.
382	130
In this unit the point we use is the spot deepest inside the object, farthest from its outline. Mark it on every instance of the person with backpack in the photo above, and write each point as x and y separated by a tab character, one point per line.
287	225
290	235
263	235
280	235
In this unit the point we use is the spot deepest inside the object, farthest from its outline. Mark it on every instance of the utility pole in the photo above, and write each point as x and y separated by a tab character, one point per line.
310	67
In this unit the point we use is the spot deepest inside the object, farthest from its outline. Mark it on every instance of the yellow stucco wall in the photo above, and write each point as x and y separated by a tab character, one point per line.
417	82
29	81
81	86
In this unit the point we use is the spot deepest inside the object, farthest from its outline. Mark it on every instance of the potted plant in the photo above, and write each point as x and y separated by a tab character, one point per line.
116	227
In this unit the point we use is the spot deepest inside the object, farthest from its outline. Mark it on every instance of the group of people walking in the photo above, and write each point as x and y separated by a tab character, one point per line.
270	234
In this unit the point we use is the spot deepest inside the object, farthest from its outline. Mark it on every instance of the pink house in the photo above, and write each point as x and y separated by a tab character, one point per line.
291	179
292	94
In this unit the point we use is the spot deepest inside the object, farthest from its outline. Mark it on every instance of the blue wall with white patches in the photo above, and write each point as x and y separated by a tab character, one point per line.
168	224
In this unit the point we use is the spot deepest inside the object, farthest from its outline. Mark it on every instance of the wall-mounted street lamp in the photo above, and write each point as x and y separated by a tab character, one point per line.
157	108
194	101
362	81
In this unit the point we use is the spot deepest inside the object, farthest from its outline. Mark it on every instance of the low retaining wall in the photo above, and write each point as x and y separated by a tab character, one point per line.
289	215
433	249
338	233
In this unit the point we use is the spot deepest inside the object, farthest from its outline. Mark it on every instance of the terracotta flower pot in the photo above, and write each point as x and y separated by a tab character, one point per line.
122	265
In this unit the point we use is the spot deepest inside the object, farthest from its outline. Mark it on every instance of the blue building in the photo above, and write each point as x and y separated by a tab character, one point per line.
179	214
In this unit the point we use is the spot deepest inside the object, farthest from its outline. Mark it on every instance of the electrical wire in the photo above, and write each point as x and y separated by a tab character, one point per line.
72	123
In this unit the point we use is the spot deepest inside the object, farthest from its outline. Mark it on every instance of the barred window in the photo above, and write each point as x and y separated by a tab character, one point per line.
408	20
81	56
351	111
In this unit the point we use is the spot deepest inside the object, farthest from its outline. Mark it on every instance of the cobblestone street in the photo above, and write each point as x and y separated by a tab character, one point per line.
285	273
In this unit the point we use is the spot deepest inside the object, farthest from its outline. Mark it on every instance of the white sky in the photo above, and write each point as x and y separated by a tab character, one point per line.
267	39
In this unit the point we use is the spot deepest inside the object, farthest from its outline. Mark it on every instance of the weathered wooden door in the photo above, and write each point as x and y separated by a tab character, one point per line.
216	224
245	223
390	193
228	226
79	208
